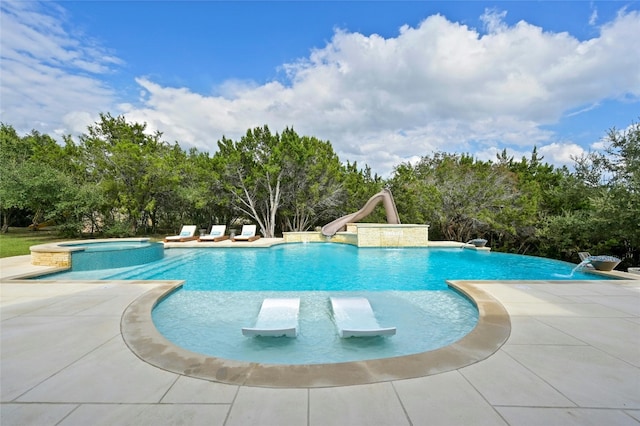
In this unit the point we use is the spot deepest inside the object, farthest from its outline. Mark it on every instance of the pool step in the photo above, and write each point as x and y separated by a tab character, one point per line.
150	270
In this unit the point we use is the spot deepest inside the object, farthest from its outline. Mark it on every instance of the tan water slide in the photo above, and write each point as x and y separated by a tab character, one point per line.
383	196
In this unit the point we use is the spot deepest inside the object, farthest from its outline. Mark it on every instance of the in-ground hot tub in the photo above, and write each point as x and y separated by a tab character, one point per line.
98	254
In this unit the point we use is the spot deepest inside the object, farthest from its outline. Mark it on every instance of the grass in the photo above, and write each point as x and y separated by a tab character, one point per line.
18	240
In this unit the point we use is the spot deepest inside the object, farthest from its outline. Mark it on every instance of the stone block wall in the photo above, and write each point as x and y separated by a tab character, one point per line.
389	235
59	259
317	237
345	238
369	235
304	237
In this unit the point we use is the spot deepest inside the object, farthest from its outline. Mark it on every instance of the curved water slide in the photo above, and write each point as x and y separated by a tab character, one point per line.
383	197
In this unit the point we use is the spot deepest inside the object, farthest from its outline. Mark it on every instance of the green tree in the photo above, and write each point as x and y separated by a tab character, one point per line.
544	192
205	192
622	206
312	186
360	185
461	198
602	212
32	178
280	178
252	171
133	169
417	201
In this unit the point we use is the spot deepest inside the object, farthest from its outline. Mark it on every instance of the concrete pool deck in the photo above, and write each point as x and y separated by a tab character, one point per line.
572	358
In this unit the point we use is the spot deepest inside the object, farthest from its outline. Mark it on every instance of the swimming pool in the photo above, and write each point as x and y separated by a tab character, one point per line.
406	287
102	254
334	267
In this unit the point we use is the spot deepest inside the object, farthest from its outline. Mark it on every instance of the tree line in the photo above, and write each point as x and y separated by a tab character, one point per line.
118	179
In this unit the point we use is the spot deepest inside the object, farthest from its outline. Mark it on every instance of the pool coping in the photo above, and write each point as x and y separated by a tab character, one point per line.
148	344
68	246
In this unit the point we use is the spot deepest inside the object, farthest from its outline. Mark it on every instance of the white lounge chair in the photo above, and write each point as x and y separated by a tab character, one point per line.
188	233
354	318
216	234
584	255
248	234
585	259
277	317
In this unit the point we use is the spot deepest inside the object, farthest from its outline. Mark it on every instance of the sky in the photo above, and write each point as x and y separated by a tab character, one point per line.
386	82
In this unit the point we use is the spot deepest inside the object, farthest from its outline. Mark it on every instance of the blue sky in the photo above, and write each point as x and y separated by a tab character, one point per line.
385	82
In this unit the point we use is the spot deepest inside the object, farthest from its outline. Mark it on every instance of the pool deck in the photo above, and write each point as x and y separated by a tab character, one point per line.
572	358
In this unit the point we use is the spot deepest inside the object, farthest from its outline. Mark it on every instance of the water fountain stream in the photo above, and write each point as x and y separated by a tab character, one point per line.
582	265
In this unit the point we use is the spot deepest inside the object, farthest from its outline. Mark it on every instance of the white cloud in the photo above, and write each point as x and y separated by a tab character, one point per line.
493	20
561	153
51	78
594	17
439	86
557	153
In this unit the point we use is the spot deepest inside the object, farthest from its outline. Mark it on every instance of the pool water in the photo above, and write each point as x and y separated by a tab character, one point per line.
113	254
210	322
334	267
224	289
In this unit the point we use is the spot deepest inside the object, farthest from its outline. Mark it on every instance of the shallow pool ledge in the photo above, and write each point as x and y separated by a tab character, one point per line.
142	337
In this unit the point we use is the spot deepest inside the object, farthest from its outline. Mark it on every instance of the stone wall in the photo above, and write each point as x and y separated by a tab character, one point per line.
317	237
304	237
59	259
369	235
389	235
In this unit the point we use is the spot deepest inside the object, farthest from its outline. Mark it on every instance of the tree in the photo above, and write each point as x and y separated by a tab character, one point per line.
284	178
544	192
32	178
603	208
462	198
133	169
617	205
252	173
360	185
417	202
204	191
312	187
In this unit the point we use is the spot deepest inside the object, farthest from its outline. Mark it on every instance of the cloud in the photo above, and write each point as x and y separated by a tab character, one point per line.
561	153
439	86
493	20
51	77
594	17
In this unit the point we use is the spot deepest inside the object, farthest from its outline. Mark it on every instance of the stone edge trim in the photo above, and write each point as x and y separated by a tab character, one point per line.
146	342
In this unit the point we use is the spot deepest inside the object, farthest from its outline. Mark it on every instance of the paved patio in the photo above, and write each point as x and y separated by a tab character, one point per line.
573	358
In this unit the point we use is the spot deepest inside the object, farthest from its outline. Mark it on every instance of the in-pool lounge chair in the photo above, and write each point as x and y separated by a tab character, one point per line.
188	233
354	318
216	234
248	234
277	317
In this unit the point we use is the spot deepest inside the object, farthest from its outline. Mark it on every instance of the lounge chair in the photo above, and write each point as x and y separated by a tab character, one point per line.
248	234
277	317
188	233
216	234
583	255
585	259
354	318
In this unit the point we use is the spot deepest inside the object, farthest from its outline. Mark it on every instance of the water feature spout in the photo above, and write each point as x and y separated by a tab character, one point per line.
582	265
